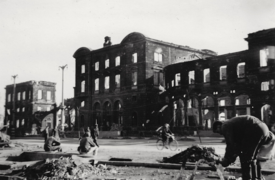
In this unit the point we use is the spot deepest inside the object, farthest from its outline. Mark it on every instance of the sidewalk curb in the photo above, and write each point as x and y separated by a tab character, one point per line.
173	166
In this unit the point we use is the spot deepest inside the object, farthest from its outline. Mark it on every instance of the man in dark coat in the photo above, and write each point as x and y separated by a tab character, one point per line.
244	135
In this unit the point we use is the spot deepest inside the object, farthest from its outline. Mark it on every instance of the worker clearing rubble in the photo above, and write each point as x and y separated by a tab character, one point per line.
244	136
87	145
166	134
52	143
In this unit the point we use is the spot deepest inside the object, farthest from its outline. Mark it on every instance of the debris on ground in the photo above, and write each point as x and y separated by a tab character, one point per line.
193	154
198	154
63	168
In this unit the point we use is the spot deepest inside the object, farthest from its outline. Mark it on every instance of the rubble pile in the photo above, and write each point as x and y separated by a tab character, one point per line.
62	168
193	154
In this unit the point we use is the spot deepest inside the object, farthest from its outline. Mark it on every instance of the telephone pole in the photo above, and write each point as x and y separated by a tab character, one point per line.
13	108
62	106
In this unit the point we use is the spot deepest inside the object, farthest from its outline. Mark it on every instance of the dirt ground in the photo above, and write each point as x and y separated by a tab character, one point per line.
132	173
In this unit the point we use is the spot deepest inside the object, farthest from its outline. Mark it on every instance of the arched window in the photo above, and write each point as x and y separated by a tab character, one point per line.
241	70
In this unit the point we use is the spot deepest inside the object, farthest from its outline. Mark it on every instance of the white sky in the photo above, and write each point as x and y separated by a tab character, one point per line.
38	36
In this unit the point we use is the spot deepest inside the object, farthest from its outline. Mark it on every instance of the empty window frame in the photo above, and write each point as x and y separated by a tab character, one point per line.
117	81
134	78
9	97
265	86
96	84
83	68
191	77
158	57
241	70
107	63
49	95
265	54
223	74
48	108
39	108
206	75
117	61
177	79
237	102
96	66
83	104
82	86
107	82
39	94
158	78
23	109
222	103
17	123
18	96
134	58
24	95
23	122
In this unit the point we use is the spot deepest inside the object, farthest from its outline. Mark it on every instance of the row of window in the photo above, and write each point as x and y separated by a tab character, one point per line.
19	97
107	82
157	58
265	86
206	75
39	95
23	109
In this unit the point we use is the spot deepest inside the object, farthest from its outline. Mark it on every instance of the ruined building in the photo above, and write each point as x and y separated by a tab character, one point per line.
221	87
120	84
30	97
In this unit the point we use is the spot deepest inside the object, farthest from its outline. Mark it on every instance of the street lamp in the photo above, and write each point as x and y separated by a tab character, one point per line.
62	106
13	108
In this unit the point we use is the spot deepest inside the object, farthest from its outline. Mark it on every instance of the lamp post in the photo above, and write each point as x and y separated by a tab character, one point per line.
62	106
13	108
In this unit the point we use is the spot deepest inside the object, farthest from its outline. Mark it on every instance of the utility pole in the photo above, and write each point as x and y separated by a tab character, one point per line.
13	108
62	106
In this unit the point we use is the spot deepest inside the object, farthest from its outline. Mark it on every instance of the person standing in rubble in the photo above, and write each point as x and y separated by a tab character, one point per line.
244	135
86	145
52	143
45	133
95	134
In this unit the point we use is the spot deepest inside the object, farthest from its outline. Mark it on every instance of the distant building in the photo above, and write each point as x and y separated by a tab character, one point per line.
30	97
121	83
221	87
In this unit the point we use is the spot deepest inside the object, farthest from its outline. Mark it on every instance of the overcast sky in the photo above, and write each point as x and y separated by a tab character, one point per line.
38	36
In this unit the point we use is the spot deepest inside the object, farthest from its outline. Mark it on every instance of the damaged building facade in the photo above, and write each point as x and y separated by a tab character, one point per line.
30	97
121	84
221	87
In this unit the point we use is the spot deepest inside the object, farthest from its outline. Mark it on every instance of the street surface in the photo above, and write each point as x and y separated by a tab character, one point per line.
139	150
